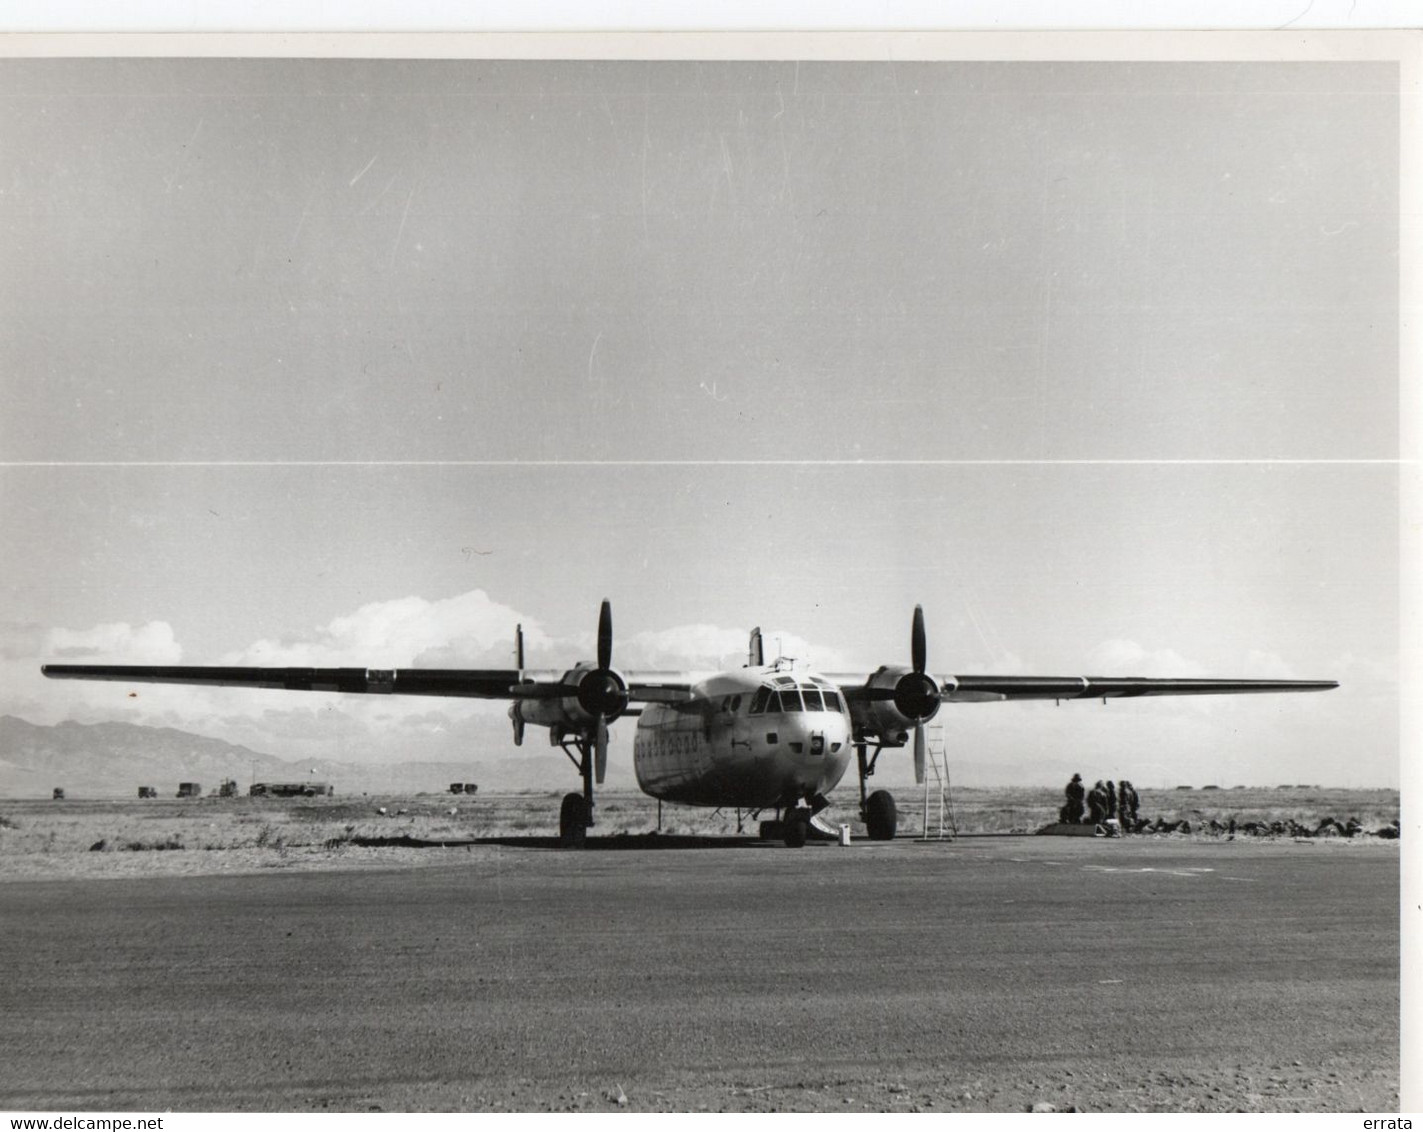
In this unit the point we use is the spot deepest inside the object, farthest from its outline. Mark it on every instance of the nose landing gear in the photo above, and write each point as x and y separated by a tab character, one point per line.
792	824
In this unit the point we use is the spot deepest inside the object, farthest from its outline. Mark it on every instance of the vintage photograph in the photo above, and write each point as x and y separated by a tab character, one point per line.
737	574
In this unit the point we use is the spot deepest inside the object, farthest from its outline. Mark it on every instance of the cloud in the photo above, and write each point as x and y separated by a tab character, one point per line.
20	640
118	642
468	630
1351	669
1119	657
1267	666
697	647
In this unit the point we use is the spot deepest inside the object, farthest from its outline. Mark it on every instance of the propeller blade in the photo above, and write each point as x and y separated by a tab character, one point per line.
517	717
519	647
917	645
919	754
600	750
605	635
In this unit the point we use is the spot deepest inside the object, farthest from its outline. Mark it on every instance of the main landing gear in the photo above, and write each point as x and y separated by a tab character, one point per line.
575	816
878	811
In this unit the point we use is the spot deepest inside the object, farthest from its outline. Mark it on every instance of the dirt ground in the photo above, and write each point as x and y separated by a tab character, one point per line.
991	973
172	837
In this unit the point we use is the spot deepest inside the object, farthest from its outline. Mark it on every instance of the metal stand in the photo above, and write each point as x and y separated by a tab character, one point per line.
938	754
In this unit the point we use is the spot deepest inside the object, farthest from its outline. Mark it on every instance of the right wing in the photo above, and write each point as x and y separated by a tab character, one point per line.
467	683
477	683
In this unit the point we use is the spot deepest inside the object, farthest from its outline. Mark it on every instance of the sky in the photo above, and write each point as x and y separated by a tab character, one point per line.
364	362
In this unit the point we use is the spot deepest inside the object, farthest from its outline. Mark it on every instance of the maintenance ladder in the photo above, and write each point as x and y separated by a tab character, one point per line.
937	785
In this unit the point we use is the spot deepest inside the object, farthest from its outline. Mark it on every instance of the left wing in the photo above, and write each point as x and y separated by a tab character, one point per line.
919	693
974	689
890	701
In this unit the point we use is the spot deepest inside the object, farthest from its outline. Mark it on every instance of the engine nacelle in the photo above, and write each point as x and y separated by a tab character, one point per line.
904	698
600	691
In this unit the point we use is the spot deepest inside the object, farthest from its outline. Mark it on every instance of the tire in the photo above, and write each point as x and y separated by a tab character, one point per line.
572	821
881	817
797	829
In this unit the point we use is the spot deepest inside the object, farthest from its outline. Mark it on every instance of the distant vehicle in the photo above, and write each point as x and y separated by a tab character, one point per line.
291	790
463	788
762	737
59	793
471	788
147	792
228	789
190	790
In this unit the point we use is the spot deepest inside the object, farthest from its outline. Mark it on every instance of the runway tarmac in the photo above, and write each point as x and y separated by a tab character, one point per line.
992	973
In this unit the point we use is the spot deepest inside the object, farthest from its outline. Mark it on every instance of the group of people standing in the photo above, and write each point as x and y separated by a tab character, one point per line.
1106	800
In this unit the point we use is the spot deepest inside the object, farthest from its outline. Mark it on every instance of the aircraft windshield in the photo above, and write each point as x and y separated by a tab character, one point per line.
804	697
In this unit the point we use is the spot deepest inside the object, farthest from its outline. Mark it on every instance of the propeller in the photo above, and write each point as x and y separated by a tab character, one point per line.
916	693
602	692
516	716
605	635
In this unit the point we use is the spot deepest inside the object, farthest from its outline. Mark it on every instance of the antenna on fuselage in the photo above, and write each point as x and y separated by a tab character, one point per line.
755	655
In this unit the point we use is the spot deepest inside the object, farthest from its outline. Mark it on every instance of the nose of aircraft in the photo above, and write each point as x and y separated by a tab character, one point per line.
818	743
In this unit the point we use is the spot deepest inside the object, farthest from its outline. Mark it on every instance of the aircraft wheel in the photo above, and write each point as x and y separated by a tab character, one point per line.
797	829
881	818
572	821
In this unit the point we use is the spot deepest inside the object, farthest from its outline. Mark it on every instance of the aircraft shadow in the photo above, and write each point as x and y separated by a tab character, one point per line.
591	844
633	841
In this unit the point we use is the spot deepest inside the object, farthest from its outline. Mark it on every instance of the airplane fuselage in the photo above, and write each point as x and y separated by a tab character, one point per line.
753	737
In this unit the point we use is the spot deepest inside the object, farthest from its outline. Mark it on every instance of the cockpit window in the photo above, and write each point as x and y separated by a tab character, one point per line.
790	700
812	699
758	701
832	700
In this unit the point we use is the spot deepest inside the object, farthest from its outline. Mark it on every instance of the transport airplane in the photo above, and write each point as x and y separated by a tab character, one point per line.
763	737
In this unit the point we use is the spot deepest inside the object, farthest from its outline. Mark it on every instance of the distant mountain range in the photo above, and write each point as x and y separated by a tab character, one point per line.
112	760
